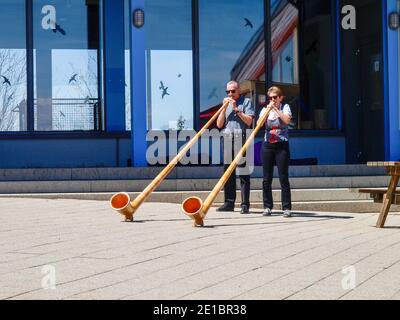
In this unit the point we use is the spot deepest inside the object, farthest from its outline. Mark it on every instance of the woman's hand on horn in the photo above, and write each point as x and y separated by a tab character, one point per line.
270	106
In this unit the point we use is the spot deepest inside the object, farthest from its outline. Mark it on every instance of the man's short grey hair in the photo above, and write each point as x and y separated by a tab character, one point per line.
233	83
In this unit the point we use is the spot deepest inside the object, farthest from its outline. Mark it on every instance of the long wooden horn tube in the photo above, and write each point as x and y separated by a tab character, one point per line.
194	207
121	201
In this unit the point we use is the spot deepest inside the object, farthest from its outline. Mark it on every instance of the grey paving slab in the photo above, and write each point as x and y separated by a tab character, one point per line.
261	265
81	249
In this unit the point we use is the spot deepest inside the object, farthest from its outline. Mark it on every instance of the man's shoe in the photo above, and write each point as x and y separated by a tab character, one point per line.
267	212
226	207
245	209
287	213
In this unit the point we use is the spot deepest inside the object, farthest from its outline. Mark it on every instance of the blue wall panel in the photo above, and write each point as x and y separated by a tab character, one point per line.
64	153
392	116
328	150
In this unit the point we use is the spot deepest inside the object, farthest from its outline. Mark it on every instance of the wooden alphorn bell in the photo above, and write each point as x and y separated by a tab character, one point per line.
194	206
121	201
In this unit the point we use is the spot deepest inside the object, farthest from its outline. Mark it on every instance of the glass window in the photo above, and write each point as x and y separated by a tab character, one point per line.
66	84
285	67
285	60
232	47
305	71
318	106
169	64
13	89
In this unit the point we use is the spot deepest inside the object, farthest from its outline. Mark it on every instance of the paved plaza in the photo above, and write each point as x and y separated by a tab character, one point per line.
77	249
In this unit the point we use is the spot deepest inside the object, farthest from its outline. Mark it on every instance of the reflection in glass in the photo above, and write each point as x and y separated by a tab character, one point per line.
305	74
318	107
285	59
171	95
13	91
66	43
169	64
231	44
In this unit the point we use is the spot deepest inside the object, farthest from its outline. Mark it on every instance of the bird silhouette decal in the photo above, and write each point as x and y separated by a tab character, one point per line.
248	23
62	114
73	78
164	90
312	47
288	58
6	81
59	29
213	93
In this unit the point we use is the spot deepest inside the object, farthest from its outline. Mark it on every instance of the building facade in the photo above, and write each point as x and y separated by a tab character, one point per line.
82	82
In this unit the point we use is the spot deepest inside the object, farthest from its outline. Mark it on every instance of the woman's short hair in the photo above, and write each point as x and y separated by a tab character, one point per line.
276	90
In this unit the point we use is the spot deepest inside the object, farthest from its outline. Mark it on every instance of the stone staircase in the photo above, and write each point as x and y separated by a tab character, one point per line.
314	188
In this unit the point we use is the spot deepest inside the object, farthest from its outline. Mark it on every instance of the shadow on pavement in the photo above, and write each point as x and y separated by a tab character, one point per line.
255	215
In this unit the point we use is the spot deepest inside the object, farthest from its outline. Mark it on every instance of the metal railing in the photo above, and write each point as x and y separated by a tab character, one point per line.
67	114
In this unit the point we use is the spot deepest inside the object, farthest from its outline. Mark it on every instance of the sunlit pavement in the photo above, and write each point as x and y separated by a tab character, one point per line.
71	249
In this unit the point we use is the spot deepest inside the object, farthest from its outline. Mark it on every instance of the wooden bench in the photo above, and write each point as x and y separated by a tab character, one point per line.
387	196
378	194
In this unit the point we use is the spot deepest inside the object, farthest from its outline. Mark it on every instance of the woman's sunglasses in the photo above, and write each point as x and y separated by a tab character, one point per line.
274	97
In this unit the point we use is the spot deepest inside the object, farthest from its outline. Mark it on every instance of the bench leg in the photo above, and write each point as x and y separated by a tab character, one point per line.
387	201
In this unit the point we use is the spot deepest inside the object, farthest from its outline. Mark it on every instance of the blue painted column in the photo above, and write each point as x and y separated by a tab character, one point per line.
391	85
114	65
138	92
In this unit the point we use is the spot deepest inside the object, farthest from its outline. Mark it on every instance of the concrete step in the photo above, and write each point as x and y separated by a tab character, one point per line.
180	172
172	185
323	200
298	195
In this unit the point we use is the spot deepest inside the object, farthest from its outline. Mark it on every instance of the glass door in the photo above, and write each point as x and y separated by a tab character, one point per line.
362	84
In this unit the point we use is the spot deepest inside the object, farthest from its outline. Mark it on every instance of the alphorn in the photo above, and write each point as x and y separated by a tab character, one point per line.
121	201
194	206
